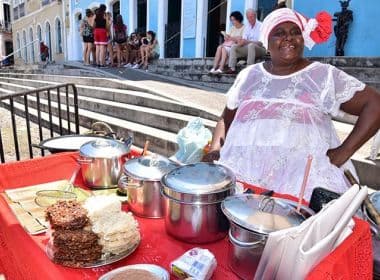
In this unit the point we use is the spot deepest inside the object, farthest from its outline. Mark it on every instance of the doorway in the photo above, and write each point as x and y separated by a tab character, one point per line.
173	29
8	51
216	22
141	16
264	7
115	9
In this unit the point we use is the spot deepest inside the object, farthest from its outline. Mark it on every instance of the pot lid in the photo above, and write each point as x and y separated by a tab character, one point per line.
68	142
199	178
375	199
105	148
261	214
150	168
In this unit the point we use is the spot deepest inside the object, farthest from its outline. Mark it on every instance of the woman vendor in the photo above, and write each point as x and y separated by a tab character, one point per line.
279	112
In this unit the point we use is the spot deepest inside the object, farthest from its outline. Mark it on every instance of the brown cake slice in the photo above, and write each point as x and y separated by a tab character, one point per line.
90	254
75	239
66	215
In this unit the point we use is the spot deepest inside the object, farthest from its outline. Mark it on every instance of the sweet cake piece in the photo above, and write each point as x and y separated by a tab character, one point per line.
72	241
84	234
117	230
66	215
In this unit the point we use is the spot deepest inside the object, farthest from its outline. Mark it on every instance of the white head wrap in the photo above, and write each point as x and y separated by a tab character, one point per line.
287	15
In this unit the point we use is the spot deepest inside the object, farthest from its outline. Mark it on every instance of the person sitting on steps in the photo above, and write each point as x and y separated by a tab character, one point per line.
231	38
249	46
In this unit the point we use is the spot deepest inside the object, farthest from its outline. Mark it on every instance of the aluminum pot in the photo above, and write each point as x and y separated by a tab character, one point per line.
249	215
375	199
102	161
142	184
193	194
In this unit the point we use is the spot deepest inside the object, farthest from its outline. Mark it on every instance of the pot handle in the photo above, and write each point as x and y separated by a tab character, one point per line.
85	161
244	244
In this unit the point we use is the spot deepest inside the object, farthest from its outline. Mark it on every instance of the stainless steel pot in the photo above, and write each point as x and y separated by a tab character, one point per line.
249	215
101	162
142	184
375	199
193	194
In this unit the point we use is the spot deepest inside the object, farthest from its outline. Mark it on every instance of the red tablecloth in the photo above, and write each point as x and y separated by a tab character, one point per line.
23	256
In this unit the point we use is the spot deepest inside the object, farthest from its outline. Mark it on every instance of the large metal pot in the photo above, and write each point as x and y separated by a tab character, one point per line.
375	199
142	184
193	194
101	162
249	215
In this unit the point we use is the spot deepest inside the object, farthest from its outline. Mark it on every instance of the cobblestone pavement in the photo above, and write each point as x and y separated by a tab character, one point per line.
7	136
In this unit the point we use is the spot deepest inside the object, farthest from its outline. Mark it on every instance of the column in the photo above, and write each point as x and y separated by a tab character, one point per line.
201	30
162	20
132	15
251	4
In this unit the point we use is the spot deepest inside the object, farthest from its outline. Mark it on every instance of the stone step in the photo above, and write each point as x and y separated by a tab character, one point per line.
87	81
370	76
131	97
164	120
162	142
348	61
367	74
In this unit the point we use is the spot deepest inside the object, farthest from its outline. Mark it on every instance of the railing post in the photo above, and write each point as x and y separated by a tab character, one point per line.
39	121
1	149
76	109
14	128
68	109
26	106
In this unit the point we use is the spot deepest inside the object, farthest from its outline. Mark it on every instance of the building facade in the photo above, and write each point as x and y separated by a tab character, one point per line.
36	21
184	28
6	44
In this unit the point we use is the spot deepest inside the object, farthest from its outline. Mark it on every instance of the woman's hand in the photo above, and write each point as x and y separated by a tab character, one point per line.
211	156
338	156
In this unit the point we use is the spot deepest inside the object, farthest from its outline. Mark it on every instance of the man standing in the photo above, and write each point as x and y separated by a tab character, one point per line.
249	46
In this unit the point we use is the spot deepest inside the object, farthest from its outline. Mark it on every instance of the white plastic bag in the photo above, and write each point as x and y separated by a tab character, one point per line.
191	141
292	253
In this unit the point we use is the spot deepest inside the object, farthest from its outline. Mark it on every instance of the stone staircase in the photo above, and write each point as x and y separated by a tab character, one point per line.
196	70
145	115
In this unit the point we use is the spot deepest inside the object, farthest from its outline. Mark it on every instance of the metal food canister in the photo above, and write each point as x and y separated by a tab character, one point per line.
193	195
102	161
142	184
252	218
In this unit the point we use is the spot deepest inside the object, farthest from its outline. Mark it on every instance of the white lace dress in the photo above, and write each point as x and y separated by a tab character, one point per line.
280	121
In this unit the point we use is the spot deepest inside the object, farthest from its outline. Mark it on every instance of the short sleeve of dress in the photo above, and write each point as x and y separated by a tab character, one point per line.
341	87
233	93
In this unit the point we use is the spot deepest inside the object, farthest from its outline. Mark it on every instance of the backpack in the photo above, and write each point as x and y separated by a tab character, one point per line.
87	29
120	35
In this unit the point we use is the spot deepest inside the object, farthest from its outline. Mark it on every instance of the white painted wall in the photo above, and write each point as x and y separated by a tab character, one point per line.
162	21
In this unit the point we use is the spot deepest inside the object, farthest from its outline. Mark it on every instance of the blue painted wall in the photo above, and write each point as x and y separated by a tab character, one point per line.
153	15
363	38
189	47
238	5
84	4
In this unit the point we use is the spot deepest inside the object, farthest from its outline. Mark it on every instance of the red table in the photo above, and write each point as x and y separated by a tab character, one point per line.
23	256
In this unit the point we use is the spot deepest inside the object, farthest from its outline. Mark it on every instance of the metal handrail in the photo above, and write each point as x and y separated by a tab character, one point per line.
18	50
8	101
